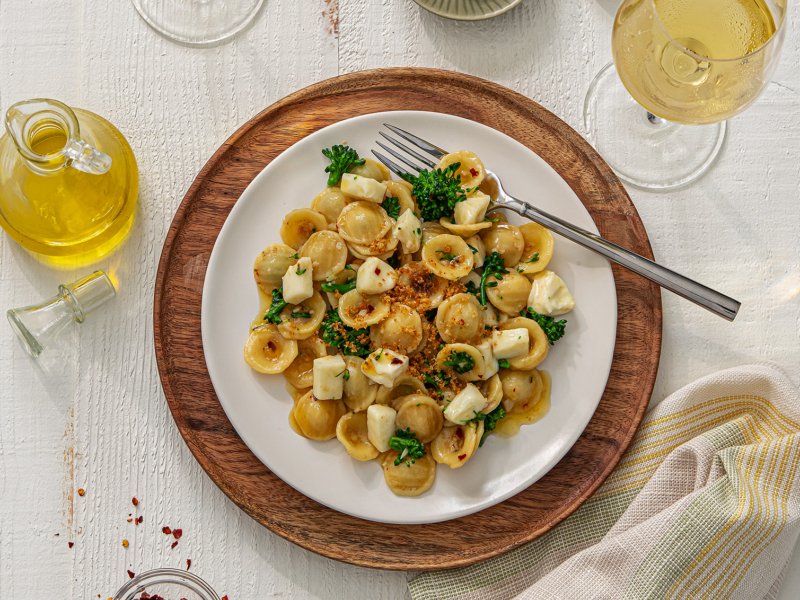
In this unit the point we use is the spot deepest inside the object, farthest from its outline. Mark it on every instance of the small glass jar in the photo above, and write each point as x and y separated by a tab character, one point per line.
167	584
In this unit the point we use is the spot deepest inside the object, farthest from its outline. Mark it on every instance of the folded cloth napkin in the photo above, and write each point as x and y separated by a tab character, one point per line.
704	504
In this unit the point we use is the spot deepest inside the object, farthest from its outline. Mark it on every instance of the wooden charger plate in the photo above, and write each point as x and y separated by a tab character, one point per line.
279	507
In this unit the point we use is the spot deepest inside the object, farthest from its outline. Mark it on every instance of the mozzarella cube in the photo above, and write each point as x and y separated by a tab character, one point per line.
384	366
380	426
298	284
362	188
510	343
489	359
472	210
549	295
375	277
467	403
329	377
408	230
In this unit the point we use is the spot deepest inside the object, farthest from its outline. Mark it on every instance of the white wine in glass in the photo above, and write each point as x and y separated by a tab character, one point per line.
691	62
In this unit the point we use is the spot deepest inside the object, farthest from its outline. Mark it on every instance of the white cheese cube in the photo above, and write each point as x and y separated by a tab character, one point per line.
472	210
298	284
380	426
408	230
329	377
510	343
467	403
375	277
384	366
549	295
489	359
362	188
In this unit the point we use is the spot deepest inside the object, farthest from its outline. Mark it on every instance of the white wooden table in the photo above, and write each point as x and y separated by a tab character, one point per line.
96	419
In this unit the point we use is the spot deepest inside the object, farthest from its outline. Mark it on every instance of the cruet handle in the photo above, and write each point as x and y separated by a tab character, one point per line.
23	120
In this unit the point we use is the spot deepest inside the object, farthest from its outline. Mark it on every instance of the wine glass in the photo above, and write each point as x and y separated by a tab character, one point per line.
682	68
198	22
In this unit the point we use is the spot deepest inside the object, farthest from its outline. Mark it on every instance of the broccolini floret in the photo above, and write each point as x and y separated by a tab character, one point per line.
343	158
437	191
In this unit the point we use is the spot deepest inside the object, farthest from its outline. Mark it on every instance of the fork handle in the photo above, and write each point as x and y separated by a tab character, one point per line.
720	304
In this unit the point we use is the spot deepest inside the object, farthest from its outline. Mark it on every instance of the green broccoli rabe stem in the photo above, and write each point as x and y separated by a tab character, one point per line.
494	264
343	158
342	288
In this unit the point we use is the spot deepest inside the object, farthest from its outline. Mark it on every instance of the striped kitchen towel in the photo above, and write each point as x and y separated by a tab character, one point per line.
705	504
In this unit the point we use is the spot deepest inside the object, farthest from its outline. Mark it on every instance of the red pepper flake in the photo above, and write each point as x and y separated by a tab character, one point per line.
177	533
140	519
462	456
377	270
131	574
166	530
129	520
125	543
396	361
71	544
188	563
81	491
225	597
135	503
271	345
175	543
473	172
370	309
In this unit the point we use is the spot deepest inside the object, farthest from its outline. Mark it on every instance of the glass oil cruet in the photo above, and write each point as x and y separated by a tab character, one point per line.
68	181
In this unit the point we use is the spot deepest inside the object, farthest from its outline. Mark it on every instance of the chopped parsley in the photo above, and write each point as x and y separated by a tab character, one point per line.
447	256
409	447
301	315
554	330
503	363
300	271
275	308
342	288
343	158
345	375
349	341
461	362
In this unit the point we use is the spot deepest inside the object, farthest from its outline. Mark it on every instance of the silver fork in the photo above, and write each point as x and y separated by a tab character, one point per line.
718	303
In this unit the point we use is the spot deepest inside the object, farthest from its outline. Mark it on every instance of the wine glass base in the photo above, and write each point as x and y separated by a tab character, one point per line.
645	150
198	22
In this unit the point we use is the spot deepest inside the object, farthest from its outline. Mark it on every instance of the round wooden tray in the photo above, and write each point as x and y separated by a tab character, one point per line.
264	496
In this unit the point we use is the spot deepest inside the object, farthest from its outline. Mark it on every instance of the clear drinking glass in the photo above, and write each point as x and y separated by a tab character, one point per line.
166	584
682	68
198	22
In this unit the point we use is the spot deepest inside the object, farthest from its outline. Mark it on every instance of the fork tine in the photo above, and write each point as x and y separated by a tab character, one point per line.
434	151
399	157
397	170
405	148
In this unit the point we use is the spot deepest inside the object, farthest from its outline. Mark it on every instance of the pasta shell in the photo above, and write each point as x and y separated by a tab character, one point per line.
359	311
352	432
403	386
459	319
479	252
383	247
456	444
538	241
300	373
359	390
363	223
464	231
402	191
422	415
423	283
538	346
492	390
267	351
330	203
296	327
408	480
293	422
521	390
400	331
497	216
317	419
272	264
301	224
372	169
474	374
471	170
511	293
505	239
328	254
448	256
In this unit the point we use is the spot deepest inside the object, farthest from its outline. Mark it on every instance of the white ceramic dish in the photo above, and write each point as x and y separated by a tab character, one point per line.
258	405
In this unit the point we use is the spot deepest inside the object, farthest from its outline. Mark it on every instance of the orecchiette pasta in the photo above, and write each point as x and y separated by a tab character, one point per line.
405	341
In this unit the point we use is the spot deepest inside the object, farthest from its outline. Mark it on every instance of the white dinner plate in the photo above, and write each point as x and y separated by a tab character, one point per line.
258	405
